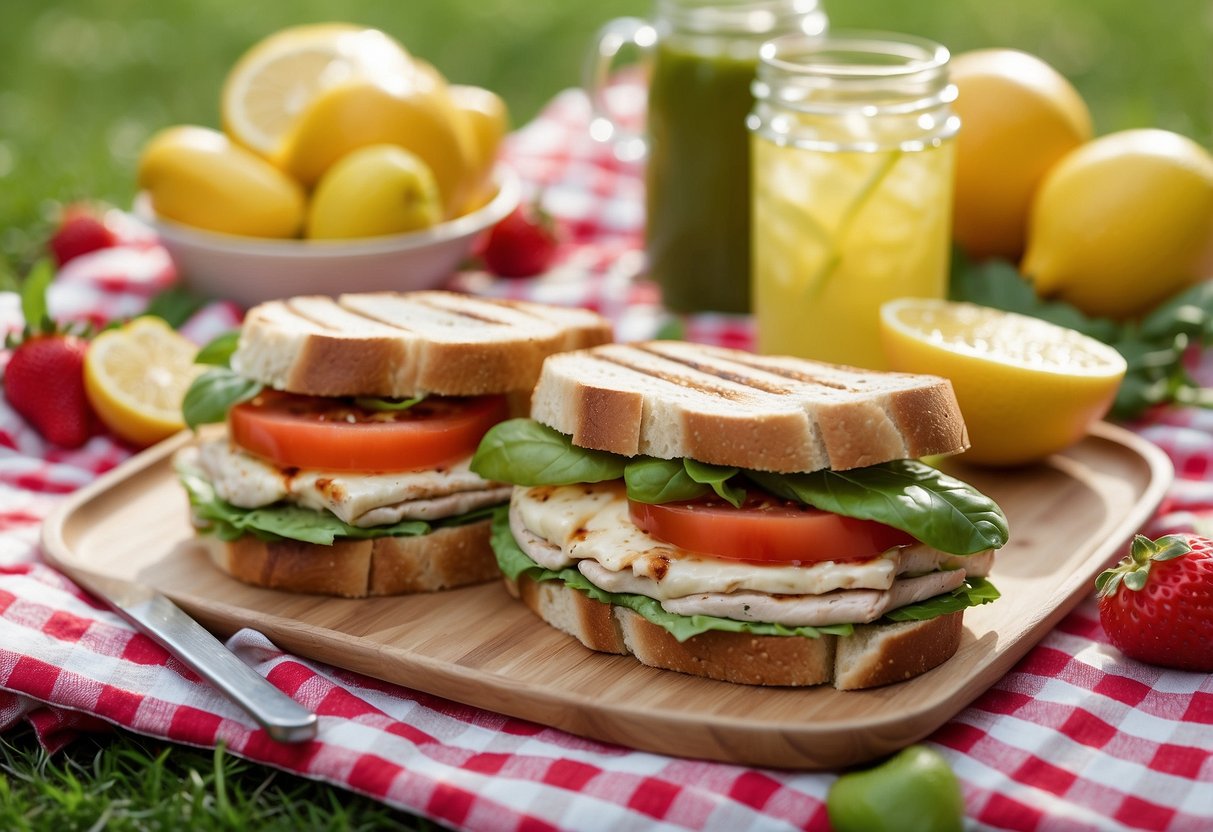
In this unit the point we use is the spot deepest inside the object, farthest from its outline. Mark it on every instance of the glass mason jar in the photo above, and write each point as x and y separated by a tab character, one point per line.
852	175
703	60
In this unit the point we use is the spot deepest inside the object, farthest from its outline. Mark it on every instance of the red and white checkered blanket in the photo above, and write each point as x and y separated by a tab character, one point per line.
1075	737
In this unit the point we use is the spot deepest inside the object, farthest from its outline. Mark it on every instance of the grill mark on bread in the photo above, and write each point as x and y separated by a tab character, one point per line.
720	372
330	325
793	374
463	312
678	379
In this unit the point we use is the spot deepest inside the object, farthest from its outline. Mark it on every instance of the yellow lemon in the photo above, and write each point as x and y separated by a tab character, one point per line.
417	117
274	81
1027	388
197	176
136	377
488	119
1018	116
1123	223
379	189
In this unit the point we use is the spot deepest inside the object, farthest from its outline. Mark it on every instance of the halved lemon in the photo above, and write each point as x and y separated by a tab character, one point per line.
1027	388
136	377
275	80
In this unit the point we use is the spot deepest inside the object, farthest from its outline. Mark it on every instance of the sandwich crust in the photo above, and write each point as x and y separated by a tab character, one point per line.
727	407
408	344
875	655
448	557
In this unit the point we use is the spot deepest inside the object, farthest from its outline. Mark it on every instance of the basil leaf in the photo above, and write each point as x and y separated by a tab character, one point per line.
716	476
972	593
524	452
383	405
219	350
213	393
922	501
652	480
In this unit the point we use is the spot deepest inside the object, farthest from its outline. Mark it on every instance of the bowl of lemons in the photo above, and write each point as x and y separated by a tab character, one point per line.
344	164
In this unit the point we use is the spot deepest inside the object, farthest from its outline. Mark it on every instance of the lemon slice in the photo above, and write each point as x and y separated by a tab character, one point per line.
136	376
1027	388
279	77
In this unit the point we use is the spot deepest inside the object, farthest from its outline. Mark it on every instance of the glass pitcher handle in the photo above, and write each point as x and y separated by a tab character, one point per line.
627	144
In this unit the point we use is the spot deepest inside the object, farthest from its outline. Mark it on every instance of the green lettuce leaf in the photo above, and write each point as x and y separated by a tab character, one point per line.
514	562
922	501
285	521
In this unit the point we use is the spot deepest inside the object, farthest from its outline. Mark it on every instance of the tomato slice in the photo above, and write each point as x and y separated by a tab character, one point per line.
336	435
764	528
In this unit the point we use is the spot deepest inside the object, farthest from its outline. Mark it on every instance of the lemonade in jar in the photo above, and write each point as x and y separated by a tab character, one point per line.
852	164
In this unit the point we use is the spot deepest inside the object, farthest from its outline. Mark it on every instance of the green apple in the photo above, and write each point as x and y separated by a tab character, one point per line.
913	790
375	190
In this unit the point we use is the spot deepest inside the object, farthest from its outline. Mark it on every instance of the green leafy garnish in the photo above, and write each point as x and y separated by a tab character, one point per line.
922	501
218	351
718	477
1154	348
972	593
386	405
652	480
286	521
524	452
213	394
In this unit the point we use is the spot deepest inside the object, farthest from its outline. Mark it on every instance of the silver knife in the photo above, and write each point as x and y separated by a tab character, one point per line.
164	622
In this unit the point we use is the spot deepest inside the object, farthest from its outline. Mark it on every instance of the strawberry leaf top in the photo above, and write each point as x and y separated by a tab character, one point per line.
35	310
1134	569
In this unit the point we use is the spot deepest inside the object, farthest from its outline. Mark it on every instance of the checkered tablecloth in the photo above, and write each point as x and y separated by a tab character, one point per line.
1075	737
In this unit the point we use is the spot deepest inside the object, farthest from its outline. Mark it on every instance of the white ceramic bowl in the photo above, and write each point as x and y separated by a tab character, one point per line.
249	270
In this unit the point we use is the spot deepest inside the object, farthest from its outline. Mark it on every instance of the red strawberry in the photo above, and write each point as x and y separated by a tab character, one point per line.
44	382
1157	603
523	244
80	231
44	379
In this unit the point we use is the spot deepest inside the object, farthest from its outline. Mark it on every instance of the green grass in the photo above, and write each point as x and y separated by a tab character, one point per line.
123	782
83	83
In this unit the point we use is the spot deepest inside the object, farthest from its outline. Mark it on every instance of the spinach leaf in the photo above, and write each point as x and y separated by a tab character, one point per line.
935	508
213	393
718	477
661	481
218	351
524	452
384	405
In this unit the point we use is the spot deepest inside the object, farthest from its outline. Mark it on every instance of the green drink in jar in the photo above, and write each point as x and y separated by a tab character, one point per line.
704	56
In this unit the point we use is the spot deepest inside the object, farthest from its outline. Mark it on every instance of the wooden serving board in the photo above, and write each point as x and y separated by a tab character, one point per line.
1069	518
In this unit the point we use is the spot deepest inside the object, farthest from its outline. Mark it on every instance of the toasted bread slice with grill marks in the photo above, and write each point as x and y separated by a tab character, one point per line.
671	399
408	344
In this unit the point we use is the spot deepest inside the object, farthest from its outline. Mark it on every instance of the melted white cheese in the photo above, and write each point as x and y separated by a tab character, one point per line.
359	499
590	523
